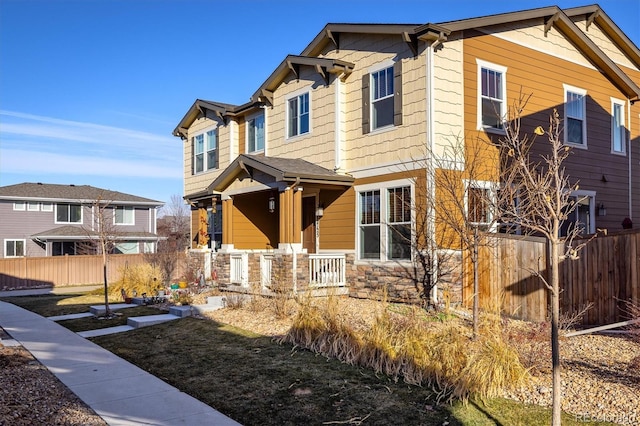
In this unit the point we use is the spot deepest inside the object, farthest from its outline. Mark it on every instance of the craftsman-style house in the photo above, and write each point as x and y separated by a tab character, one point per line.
318	174
38	219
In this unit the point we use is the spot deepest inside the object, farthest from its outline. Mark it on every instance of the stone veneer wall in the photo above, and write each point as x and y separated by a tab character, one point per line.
364	280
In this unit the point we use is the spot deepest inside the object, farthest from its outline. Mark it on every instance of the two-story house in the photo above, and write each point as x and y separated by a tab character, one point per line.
38	219
323	167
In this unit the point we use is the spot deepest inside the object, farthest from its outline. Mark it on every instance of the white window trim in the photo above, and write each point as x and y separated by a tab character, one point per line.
290	96
583	92
501	69
580	193
24	246
33	206
252	117
482	184
384	226
622	104
389	63
74	223
46	207
19	206
133	216
203	133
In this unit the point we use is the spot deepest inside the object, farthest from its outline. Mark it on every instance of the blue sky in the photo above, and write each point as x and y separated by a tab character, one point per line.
90	90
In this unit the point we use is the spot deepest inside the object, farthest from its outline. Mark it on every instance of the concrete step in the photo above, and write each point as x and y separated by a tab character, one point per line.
70	316
145	321
104	331
100	310
180	311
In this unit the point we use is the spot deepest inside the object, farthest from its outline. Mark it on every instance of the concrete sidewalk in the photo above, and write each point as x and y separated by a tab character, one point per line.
49	290
118	391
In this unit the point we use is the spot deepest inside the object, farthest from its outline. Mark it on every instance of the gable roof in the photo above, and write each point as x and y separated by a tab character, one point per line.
202	108
281	169
70	193
74	233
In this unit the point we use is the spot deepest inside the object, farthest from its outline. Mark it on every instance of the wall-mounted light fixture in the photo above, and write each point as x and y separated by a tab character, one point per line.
602	210
272	204
320	210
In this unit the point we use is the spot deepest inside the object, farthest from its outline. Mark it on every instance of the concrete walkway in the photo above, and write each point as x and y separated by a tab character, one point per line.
118	391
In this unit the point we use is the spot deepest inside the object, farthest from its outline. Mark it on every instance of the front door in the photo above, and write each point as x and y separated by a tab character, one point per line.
309	224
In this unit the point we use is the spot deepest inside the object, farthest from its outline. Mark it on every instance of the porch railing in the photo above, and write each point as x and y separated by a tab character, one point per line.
239	268
327	270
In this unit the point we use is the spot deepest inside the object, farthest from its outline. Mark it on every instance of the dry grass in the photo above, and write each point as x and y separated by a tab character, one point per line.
143	278
415	347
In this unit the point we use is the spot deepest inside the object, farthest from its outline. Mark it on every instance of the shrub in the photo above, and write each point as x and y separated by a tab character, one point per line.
142	278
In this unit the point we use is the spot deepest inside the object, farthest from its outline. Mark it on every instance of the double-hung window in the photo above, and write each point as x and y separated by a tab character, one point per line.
492	96
124	215
385	222
618	131
14	248
481	200
298	115
205	151
382	98
68	213
575	122
212	149
255	134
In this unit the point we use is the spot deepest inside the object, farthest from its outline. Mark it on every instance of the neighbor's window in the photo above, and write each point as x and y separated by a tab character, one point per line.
298	115
492	96
127	247
19	205
618	131
47	207
382	98
575	125
582	215
124	215
68	213
255	135
14	248
399	222
212	149
33	206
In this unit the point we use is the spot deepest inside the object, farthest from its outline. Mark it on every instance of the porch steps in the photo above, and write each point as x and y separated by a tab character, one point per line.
104	331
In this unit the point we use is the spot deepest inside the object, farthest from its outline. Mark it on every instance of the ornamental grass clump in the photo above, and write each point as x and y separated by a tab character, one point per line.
142	278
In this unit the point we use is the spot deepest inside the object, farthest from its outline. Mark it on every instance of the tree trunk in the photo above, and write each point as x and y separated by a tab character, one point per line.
555	342
476	285
107	311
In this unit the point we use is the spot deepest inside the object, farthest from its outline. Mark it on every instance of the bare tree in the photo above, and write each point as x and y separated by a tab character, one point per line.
173	233
543	190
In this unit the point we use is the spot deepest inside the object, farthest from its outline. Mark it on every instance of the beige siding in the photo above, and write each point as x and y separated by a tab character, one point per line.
530	34
604	43
448	120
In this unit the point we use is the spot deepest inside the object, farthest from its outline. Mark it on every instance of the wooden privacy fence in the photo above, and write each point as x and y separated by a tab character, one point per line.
35	272
606	274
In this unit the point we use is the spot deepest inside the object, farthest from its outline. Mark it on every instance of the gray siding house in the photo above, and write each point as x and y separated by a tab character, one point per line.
38	219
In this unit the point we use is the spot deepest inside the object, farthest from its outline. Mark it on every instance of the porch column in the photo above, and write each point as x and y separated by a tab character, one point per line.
227	222
285	223
297	216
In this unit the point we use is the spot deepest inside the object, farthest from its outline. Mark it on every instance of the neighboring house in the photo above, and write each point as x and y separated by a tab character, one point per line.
320	169
39	219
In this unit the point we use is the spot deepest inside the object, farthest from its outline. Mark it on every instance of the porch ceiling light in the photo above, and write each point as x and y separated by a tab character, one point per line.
272	204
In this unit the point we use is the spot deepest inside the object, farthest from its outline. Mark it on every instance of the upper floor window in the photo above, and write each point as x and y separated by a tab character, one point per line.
298	115
492	96
124	215
19	205
618	131
382	97
255	134
575	121
14	248
205	156
33	206
68	213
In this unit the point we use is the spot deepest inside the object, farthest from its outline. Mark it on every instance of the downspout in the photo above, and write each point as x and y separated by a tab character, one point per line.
338	124
630	168
431	190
